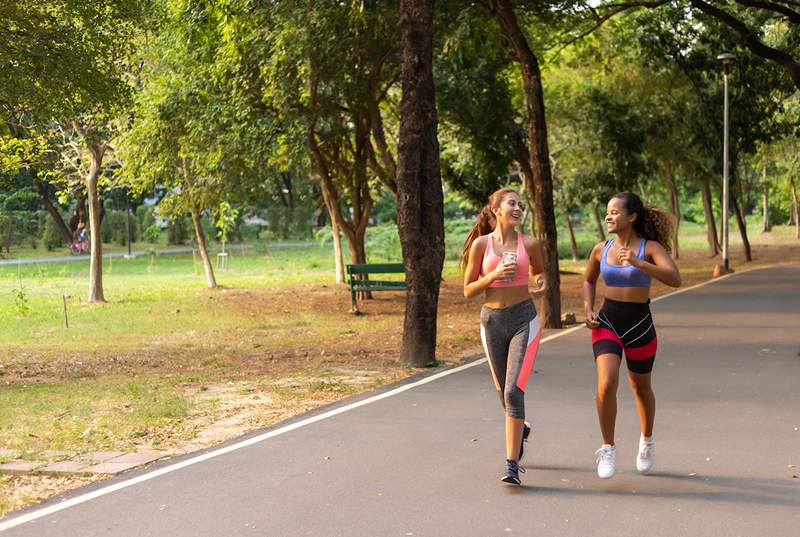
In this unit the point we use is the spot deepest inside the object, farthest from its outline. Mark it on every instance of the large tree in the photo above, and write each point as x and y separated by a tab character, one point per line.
67	62
198	127
420	215
330	70
503	11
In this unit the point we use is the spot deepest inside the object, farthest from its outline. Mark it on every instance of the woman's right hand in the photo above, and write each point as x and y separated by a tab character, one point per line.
591	319
503	271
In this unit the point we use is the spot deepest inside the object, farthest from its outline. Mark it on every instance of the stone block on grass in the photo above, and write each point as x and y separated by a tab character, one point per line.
20	467
64	467
110	467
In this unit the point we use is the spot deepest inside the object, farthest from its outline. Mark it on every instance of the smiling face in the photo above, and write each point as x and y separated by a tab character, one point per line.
510	209
617	218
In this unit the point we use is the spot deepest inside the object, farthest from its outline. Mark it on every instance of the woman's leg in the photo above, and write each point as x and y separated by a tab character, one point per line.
522	351
607	382
513	437
642	389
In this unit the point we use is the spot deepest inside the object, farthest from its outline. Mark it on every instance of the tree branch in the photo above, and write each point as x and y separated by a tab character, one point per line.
790	14
749	40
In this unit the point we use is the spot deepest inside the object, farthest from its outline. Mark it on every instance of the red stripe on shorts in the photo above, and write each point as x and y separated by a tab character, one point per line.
643	352
599	334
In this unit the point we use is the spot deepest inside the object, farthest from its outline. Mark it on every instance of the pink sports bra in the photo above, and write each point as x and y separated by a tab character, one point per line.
490	261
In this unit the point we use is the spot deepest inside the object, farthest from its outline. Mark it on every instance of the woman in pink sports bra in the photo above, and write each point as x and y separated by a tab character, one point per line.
501	262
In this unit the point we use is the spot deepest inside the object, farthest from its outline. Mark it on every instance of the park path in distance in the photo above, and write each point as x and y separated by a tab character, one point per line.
427	461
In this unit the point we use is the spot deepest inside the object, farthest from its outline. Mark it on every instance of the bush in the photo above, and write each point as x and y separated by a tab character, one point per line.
178	230
287	224
145	216
115	227
152	233
51	238
383	243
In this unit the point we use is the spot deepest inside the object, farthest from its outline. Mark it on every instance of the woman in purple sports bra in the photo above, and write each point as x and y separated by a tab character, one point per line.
500	263
628	263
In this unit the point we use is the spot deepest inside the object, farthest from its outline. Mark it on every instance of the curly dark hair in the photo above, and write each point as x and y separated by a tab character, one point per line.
652	223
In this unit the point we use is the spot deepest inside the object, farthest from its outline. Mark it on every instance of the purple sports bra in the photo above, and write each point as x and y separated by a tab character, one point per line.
623	275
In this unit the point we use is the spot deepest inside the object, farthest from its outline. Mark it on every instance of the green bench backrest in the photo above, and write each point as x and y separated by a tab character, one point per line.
385	268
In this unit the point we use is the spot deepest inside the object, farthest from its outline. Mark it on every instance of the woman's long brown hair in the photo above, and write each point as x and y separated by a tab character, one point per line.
485	223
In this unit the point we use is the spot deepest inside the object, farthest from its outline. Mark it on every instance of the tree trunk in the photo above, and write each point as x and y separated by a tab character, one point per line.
65	232
740	221
675	209
93	198
337	239
601	234
200	237
523	158
420	201
503	12
357	189
711	226
389	166
337	252
767	227
78	216
795	209
572	243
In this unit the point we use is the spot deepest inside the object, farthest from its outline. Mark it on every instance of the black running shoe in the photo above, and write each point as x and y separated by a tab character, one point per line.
511	475
526	431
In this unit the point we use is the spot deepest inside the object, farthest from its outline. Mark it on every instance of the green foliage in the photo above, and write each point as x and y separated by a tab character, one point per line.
51	238
145	216
115	228
178	230
226	219
21	300
66	54
152	233
480	130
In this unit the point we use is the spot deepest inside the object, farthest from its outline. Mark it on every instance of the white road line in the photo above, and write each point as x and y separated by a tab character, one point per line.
49	510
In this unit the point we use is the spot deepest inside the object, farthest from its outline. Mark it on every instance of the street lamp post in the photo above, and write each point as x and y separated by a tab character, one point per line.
726	59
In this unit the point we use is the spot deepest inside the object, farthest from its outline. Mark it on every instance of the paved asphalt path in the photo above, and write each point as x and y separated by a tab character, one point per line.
426	461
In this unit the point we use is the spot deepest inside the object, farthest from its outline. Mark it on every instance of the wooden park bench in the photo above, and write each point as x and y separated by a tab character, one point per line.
358	285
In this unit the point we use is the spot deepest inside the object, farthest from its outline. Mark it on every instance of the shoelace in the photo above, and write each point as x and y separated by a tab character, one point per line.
514	465
604	455
646	451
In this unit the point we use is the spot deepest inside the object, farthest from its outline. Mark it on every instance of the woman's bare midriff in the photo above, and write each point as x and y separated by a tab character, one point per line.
502	297
628	294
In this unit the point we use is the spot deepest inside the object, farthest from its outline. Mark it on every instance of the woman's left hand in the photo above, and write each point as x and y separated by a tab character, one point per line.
625	255
541	286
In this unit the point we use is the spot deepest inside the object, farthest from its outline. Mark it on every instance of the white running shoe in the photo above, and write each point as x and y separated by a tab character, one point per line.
606	461
646	456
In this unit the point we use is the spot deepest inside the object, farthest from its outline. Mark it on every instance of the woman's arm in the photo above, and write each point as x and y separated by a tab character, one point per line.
662	268
536	266
590	274
474	283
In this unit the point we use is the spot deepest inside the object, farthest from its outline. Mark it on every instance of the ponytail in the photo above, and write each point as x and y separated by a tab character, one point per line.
485	223
652	223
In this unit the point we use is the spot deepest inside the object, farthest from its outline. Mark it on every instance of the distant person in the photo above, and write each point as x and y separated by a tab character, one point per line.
628	263
80	240
497	260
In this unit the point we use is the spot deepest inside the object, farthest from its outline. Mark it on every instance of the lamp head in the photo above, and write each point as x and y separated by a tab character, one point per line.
726	58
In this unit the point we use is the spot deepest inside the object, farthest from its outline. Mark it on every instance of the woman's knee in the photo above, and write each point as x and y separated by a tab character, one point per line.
514	399
641	388
607	385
